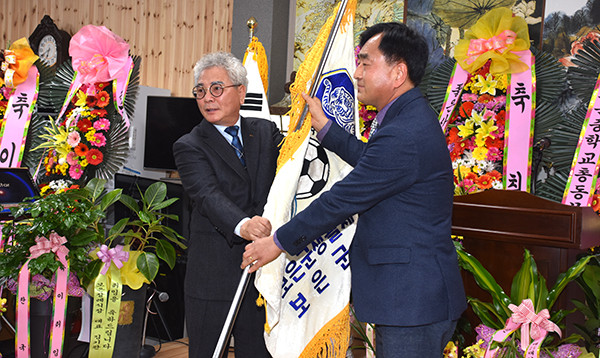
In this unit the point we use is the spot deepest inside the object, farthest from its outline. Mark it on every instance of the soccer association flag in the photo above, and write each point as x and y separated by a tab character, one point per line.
307	295
256	64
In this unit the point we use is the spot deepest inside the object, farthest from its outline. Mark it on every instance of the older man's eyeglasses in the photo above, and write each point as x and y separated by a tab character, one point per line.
216	89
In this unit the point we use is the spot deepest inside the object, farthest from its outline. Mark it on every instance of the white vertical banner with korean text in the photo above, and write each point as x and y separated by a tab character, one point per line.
307	295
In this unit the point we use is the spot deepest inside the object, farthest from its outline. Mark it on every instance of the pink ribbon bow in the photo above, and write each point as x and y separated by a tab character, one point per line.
53	244
525	315
98	54
116	255
498	43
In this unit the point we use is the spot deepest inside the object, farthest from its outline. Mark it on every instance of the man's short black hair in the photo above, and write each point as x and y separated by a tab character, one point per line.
401	43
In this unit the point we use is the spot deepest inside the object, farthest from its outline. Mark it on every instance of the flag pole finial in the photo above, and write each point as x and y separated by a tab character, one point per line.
251	23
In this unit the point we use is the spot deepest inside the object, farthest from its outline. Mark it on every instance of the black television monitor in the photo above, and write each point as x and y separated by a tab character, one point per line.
16	184
167	119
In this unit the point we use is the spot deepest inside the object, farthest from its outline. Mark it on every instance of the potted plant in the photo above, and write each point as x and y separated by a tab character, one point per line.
77	216
528	285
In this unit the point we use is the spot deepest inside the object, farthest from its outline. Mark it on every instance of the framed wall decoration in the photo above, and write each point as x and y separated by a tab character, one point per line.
312	14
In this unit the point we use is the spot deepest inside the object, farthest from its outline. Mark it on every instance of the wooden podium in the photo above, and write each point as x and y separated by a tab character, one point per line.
497	225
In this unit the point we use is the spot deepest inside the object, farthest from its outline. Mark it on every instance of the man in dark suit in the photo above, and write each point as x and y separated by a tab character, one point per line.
227	173
405	275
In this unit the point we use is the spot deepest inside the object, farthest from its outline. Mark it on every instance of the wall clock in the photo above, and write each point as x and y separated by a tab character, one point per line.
50	43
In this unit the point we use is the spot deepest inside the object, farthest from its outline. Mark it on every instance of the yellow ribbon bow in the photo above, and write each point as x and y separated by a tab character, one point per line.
17	61
496	36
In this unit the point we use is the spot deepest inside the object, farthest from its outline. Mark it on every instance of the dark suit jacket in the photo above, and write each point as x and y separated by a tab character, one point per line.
222	193
404	265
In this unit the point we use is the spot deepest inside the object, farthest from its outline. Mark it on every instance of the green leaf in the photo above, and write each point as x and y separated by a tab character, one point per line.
95	186
118	227
148	264
483	278
130	202
110	198
573	338
165	251
486	313
564	278
84	237
154	194
91	271
164	204
523	280
173	236
146	217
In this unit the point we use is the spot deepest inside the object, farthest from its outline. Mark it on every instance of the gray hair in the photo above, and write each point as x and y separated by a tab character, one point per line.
234	67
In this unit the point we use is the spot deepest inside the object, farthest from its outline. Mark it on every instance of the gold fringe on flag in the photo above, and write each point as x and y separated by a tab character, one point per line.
260	56
332	339
303	83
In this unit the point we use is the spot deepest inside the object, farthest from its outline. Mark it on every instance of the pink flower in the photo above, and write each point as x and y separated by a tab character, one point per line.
75	171
73	138
72	158
99	140
472	97
493	154
102	124
98	54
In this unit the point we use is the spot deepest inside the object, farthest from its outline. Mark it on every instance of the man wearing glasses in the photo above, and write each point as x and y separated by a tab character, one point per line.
226	164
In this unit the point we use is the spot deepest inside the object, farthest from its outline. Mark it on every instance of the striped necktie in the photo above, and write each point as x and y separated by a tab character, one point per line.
374	125
235	142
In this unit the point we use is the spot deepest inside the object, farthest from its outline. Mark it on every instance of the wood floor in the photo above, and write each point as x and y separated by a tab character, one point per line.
177	349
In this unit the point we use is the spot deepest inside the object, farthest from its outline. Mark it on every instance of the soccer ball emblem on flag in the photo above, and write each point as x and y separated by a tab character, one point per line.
315	171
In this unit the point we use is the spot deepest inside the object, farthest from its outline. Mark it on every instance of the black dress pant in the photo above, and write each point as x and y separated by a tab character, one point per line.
205	320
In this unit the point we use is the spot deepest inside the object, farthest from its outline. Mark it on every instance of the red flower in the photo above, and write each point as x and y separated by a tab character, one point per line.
465	109
90	101
491	142
484	98
103	99
84	125
102	85
471	176
81	150
453	135
458	150
596	202
99	113
94	156
495	174
484	181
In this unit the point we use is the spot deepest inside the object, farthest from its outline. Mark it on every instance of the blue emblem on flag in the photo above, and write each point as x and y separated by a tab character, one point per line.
336	92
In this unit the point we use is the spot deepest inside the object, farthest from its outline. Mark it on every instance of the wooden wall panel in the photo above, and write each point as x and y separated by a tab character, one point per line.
169	35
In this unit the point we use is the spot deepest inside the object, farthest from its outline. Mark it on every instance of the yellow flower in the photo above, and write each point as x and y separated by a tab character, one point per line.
480	153
451	350
475	351
2	304
90	134
62	149
486	129
81	99
486	85
83	162
466	130
63	168
463	171
479	140
502	82
44	190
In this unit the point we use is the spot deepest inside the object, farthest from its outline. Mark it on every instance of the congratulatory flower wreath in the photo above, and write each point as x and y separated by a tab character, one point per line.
474	111
94	96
